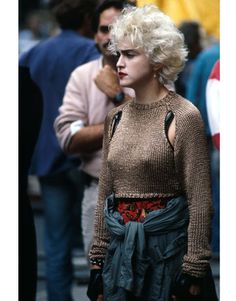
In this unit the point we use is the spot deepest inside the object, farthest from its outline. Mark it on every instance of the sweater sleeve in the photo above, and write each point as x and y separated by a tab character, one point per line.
193	169
101	235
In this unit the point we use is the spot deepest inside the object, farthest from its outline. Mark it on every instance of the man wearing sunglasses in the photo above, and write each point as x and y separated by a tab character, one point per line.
92	91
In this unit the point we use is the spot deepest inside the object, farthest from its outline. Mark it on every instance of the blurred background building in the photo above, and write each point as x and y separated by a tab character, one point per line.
206	12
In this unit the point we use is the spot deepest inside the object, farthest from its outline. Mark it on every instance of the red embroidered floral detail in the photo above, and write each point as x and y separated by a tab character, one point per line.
137	210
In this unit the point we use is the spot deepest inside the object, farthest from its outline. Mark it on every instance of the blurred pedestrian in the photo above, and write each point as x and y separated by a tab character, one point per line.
30	117
196	86
196	93
92	91
213	112
192	32
50	64
153	216
31	34
213	103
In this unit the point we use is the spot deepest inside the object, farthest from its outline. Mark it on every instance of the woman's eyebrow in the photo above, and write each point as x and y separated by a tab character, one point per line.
124	51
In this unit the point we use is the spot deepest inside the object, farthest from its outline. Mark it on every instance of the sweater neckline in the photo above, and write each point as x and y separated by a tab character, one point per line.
155	104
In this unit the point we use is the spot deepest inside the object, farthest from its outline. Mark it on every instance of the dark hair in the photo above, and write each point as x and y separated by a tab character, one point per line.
192	37
70	14
119	4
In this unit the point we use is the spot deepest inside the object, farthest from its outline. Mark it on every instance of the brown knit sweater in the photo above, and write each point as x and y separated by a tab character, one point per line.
139	162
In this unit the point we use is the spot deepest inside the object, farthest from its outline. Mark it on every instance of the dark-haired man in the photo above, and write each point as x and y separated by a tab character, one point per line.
92	91
50	64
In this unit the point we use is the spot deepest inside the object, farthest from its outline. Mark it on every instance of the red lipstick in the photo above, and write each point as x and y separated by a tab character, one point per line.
121	75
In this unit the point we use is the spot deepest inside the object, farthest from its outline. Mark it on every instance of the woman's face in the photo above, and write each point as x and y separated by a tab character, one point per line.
134	68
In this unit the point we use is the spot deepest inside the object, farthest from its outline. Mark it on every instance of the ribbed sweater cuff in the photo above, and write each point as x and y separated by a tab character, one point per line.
195	268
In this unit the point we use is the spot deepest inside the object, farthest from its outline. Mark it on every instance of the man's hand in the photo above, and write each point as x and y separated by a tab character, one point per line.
108	82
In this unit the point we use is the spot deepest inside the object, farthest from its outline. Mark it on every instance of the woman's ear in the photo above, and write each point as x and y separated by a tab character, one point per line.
157	67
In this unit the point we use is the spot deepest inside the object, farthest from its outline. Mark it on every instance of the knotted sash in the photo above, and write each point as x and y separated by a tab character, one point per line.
130	259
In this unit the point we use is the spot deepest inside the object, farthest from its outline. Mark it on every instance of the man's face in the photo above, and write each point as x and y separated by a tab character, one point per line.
102	36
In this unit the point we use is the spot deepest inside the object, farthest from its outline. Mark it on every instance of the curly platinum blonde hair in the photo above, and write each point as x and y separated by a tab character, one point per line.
151	30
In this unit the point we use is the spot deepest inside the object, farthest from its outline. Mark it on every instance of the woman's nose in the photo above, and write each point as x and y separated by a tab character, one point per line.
120	62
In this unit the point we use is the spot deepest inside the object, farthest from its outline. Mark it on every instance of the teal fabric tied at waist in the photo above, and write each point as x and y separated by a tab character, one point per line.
128	257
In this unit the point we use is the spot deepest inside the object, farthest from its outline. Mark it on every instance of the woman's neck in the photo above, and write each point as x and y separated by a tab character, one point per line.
151	93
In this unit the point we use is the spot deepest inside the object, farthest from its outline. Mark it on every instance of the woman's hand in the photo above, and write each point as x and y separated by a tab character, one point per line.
100	298
95	287
186	288
194	290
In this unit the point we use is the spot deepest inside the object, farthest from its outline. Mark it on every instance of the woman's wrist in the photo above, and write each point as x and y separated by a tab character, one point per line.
96	263
95	267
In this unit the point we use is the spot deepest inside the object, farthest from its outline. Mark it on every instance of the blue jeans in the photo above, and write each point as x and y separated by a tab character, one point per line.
60	194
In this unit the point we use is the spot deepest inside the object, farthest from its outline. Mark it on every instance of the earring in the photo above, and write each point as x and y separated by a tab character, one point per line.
155	76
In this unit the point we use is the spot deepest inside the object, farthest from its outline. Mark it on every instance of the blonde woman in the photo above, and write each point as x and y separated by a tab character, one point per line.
153	216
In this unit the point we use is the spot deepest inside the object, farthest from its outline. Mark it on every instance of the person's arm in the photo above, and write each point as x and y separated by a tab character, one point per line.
76	139
193	287
87	139
193	169
101	235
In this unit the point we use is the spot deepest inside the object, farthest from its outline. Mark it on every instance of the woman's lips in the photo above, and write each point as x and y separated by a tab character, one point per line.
121	75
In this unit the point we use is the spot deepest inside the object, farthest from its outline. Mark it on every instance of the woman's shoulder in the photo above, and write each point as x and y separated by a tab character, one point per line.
184	108
187	114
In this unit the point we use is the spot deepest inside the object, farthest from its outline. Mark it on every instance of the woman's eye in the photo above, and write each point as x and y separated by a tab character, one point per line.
129	55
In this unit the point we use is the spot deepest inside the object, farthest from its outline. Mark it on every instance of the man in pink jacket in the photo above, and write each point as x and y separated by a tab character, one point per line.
92	91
